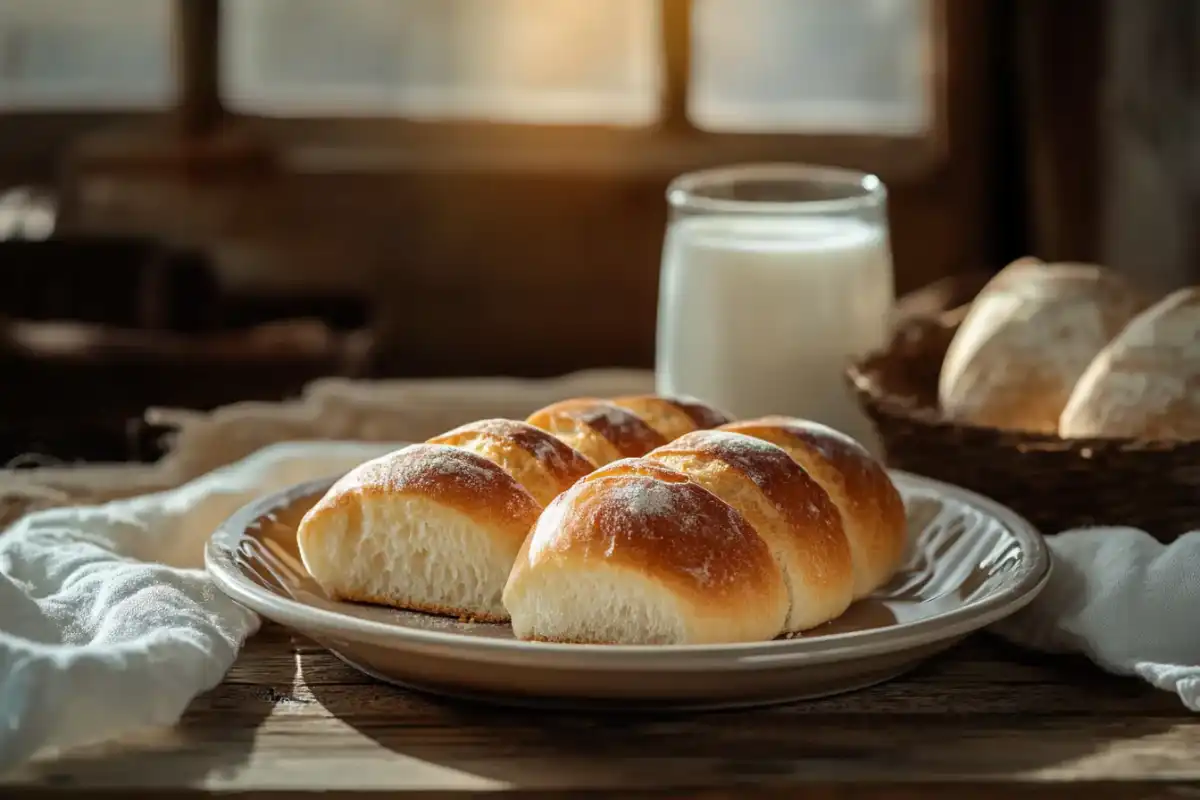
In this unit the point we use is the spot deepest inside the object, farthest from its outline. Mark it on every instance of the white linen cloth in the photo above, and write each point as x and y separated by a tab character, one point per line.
108	623
1126	601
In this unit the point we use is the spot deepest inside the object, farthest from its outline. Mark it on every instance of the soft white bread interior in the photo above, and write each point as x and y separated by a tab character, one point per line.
542	463
429	527
600	429
1026	340
637	553
1146	383
672	416
872	511
788	509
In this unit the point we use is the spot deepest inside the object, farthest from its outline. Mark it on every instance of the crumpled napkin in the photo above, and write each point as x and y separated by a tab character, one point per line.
108	623
1126	601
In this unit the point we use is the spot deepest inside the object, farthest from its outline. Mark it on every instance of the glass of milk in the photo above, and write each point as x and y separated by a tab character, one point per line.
774	277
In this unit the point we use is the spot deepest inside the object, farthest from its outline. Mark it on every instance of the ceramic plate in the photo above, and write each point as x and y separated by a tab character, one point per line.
970	562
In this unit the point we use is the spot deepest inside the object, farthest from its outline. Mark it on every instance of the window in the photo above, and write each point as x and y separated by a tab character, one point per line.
758	65
816	66
564	61
765	66
85	54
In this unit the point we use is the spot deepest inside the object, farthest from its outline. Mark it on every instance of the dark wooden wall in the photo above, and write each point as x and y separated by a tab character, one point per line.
1059	56
1110	121
1150	123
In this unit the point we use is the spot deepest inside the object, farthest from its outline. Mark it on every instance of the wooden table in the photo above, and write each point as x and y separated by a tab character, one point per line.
985	720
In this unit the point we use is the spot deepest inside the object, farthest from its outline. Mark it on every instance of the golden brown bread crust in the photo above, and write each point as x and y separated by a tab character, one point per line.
451	476
871	508
799	498
646	517
542	463
601	430
799	522
672	416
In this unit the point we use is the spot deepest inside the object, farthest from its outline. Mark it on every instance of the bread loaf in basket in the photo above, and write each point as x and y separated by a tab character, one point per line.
1057	482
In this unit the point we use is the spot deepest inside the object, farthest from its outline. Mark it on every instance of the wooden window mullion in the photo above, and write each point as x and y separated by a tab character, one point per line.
197	32
677	62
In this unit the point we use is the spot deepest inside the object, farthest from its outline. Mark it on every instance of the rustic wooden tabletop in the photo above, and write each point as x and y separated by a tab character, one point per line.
984	720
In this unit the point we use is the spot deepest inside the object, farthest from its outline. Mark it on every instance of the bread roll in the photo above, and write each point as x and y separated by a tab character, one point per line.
1026	340
600	429
637	553
787	508
673	416
872	511
1146	383
429	527
543	464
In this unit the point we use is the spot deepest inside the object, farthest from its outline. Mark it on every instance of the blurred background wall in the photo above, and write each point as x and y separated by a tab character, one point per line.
420	187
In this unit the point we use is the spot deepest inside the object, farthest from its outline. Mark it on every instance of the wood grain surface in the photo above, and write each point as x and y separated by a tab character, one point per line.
985	720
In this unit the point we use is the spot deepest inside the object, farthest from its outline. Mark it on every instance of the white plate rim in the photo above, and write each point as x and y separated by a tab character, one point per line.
1030	578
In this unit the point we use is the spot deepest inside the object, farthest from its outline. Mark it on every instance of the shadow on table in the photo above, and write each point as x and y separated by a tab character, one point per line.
983	711
219	730
214	738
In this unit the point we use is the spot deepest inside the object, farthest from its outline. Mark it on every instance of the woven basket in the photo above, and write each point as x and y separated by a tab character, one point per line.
1055	483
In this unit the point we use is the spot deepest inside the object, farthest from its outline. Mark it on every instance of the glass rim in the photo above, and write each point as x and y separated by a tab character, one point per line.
863	189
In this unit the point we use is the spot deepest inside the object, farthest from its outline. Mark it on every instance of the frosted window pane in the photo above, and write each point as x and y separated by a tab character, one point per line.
513	60
85	53
837	66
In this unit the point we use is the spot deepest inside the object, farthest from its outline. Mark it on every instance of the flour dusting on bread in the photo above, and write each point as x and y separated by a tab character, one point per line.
718	536
1146	382
790	512
637	553
1027	339
429	527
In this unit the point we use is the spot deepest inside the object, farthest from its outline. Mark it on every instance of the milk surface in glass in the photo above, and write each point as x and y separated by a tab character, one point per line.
760	313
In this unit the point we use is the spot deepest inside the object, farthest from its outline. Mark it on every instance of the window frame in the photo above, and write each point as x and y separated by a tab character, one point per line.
669	146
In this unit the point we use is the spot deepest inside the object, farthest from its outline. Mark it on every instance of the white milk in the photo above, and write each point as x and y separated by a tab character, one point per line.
761	315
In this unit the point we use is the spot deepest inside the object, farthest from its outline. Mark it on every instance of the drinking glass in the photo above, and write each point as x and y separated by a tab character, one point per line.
774	277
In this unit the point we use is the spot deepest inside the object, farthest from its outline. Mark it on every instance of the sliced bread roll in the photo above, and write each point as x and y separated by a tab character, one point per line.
624	427
787	508
871	509
435	527
637	553
1026	340
600	429
672	417
543	464
1146	383
428	527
